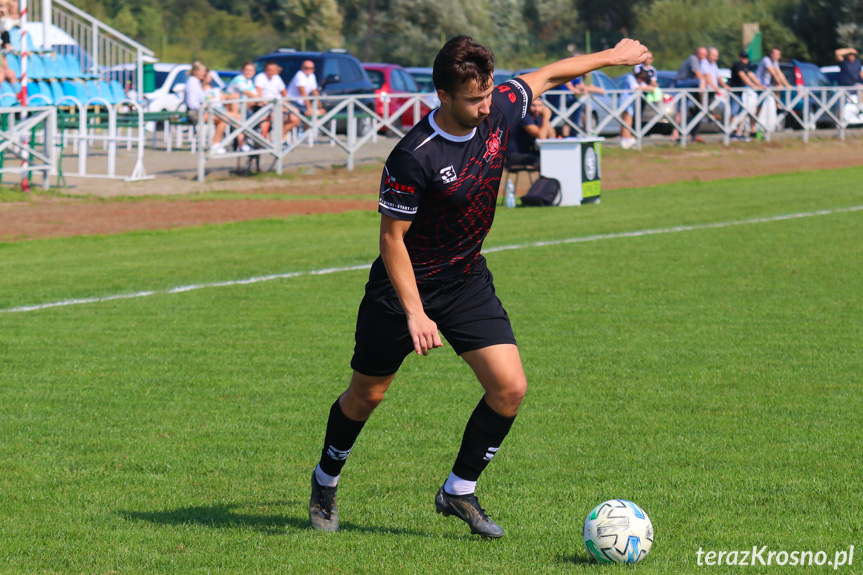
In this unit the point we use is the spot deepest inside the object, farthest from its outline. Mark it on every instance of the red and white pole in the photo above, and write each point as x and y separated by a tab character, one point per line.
22	97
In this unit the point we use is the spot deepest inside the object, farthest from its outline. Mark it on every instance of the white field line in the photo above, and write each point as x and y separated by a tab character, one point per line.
582	239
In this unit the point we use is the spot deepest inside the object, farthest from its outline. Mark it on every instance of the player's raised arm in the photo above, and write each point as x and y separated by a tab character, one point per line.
627	53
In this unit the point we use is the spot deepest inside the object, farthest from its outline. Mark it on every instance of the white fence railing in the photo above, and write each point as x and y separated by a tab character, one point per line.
349	123
27	137
688	112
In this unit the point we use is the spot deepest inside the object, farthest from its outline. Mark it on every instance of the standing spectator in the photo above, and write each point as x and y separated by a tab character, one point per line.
536	125
271	86
303	85
194	97
710	71
744	83
638	81
850	70
689	75
578	87
769	73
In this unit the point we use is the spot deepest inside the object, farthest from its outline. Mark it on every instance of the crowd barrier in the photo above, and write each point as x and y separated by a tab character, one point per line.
347	122
76	126
689	111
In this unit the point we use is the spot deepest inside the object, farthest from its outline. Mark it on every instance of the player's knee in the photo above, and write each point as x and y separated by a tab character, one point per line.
517	391
360	401
507	399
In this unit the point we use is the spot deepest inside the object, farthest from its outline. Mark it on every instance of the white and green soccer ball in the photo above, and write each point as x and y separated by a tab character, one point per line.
618	531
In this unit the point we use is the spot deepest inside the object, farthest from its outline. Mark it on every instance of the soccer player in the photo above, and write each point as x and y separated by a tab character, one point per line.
437	201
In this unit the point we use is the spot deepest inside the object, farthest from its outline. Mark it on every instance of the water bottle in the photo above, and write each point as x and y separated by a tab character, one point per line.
510	194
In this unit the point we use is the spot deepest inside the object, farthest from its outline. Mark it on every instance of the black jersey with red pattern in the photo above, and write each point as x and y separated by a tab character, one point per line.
447	186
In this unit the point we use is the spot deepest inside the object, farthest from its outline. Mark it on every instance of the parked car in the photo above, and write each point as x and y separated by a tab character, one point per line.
501	75
799	73
423	78
395	82
831	73
337	71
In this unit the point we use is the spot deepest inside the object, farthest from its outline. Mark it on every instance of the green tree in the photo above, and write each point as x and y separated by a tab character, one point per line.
672	29
510	40
849	29
554	25
815	23
311	24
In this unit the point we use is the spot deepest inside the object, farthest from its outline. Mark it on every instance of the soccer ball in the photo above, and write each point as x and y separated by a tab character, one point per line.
618	531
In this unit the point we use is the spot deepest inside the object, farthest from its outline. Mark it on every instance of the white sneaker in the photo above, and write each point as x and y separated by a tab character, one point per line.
627	143
245	148
218	150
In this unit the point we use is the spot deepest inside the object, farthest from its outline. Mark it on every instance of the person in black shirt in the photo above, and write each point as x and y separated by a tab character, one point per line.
744	83
437	201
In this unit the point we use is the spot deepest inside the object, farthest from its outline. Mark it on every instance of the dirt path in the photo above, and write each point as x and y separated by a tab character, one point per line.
331	190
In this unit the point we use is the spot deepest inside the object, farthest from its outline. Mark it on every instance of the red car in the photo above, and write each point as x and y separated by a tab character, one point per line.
392	80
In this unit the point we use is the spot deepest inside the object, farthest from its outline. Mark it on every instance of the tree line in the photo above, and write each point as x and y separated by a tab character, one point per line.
522	33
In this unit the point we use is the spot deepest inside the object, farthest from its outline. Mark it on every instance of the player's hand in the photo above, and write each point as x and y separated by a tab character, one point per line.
629	52
424	333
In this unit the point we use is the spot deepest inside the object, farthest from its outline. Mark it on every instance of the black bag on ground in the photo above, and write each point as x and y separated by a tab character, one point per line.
543	192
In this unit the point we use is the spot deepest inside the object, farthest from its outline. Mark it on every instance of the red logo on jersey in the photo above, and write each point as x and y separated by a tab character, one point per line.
393	185
492	145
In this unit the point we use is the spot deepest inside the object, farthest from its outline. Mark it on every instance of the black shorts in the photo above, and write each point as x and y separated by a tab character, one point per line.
467	312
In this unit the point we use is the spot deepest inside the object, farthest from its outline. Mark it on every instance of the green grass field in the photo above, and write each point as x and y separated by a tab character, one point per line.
711	374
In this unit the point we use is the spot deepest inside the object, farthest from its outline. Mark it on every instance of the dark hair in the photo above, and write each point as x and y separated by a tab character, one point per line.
460	61
247	63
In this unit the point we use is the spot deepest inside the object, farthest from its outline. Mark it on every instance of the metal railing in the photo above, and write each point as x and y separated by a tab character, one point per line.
687	111
348	122
28	135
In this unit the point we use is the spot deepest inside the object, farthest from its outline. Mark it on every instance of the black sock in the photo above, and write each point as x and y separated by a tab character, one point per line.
341	434
483	435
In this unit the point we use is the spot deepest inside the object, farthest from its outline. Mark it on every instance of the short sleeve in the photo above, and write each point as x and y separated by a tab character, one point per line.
512	98
402	184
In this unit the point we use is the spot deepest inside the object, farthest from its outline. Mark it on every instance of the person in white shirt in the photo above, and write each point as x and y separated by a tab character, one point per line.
710	69
271	86
194	97
305	84
769	73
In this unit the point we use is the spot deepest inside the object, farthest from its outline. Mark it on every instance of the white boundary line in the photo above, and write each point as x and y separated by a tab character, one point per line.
583	239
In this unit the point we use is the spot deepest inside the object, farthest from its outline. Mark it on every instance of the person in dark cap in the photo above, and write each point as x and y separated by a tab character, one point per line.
744	84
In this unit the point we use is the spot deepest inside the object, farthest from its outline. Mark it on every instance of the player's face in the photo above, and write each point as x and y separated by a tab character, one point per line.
469	106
